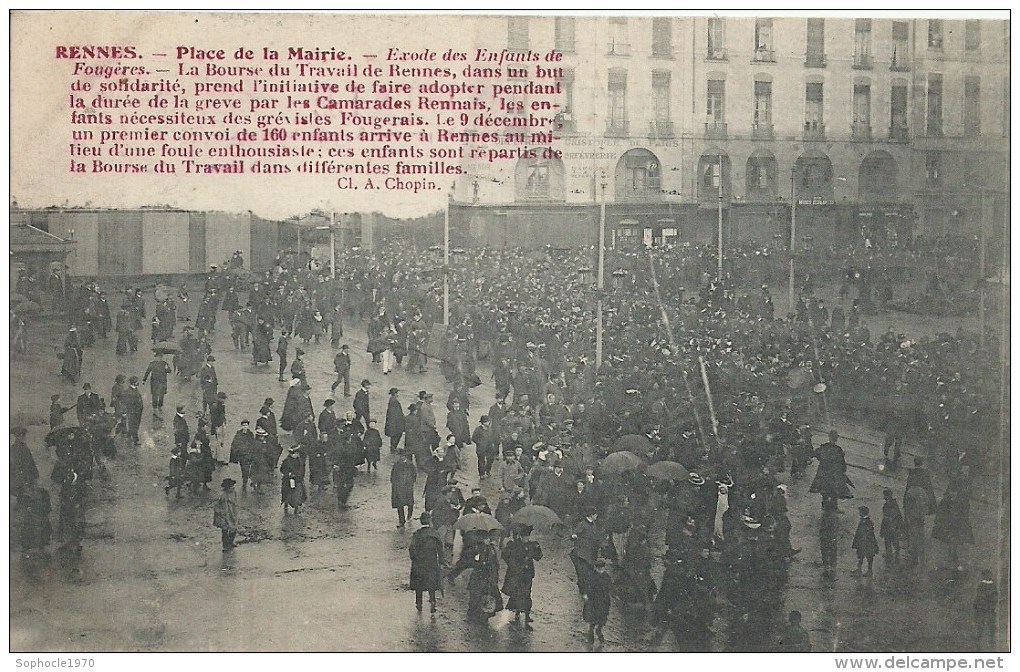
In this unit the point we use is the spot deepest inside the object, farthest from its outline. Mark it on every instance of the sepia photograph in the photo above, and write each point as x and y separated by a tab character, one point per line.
510	332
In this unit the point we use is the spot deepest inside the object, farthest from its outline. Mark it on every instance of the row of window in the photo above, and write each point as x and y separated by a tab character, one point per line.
765	39
814	107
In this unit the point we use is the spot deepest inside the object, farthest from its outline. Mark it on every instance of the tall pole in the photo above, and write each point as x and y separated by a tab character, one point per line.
793	238
981	279
446	262
720	252
332	245
601	279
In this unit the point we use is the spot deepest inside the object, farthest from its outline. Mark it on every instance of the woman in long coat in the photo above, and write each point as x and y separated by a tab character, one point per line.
484	584
292	485
520	555
261	353
402	478
296	408
394	427
319	470
952	523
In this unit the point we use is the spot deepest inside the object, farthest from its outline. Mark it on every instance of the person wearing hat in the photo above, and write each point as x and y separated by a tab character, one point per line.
427	417
296	407
89	404
361	403
281	352
182	433
457	423
520	555
159	370
242	450
131	402
225	513
402	478
372	442
292	485
267	418
217	422
394	425
486	447
342	366
327	424
426	552
264	452
70	366
588	540
865	542
210	383
830	478
297	368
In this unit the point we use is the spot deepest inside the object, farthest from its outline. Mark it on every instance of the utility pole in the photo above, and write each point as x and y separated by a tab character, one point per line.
332	245
719	270
793	239
446	261
981	279
601	279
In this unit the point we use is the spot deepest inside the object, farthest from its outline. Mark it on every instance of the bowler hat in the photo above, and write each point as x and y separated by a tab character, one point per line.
394	390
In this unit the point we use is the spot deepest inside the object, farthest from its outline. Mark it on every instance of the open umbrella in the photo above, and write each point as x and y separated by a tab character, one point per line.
668	471
27	308
536	516
166	348
477	522
635	443
619	462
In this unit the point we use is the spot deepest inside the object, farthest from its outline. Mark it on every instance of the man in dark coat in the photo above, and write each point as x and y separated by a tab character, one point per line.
457	423
587	544
361	403
342	366
133	406
426	562
89	404
210	382
830	479
402	478
394	427
182	434
486	446
281	351
159	370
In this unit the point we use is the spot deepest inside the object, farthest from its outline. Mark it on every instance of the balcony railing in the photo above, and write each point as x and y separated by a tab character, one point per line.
899	133
617	128
814	130
762	131
715	129
716	54
814	60
660	129
763	55
860	130
863	62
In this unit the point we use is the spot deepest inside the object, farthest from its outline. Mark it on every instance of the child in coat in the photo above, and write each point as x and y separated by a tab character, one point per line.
892	527
865	542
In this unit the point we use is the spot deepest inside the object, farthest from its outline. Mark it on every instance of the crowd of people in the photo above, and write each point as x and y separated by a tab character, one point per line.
713	379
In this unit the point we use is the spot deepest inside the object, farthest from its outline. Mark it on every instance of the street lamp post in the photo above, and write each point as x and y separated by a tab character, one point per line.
446	262
332	245
793	238
601	275
719	270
